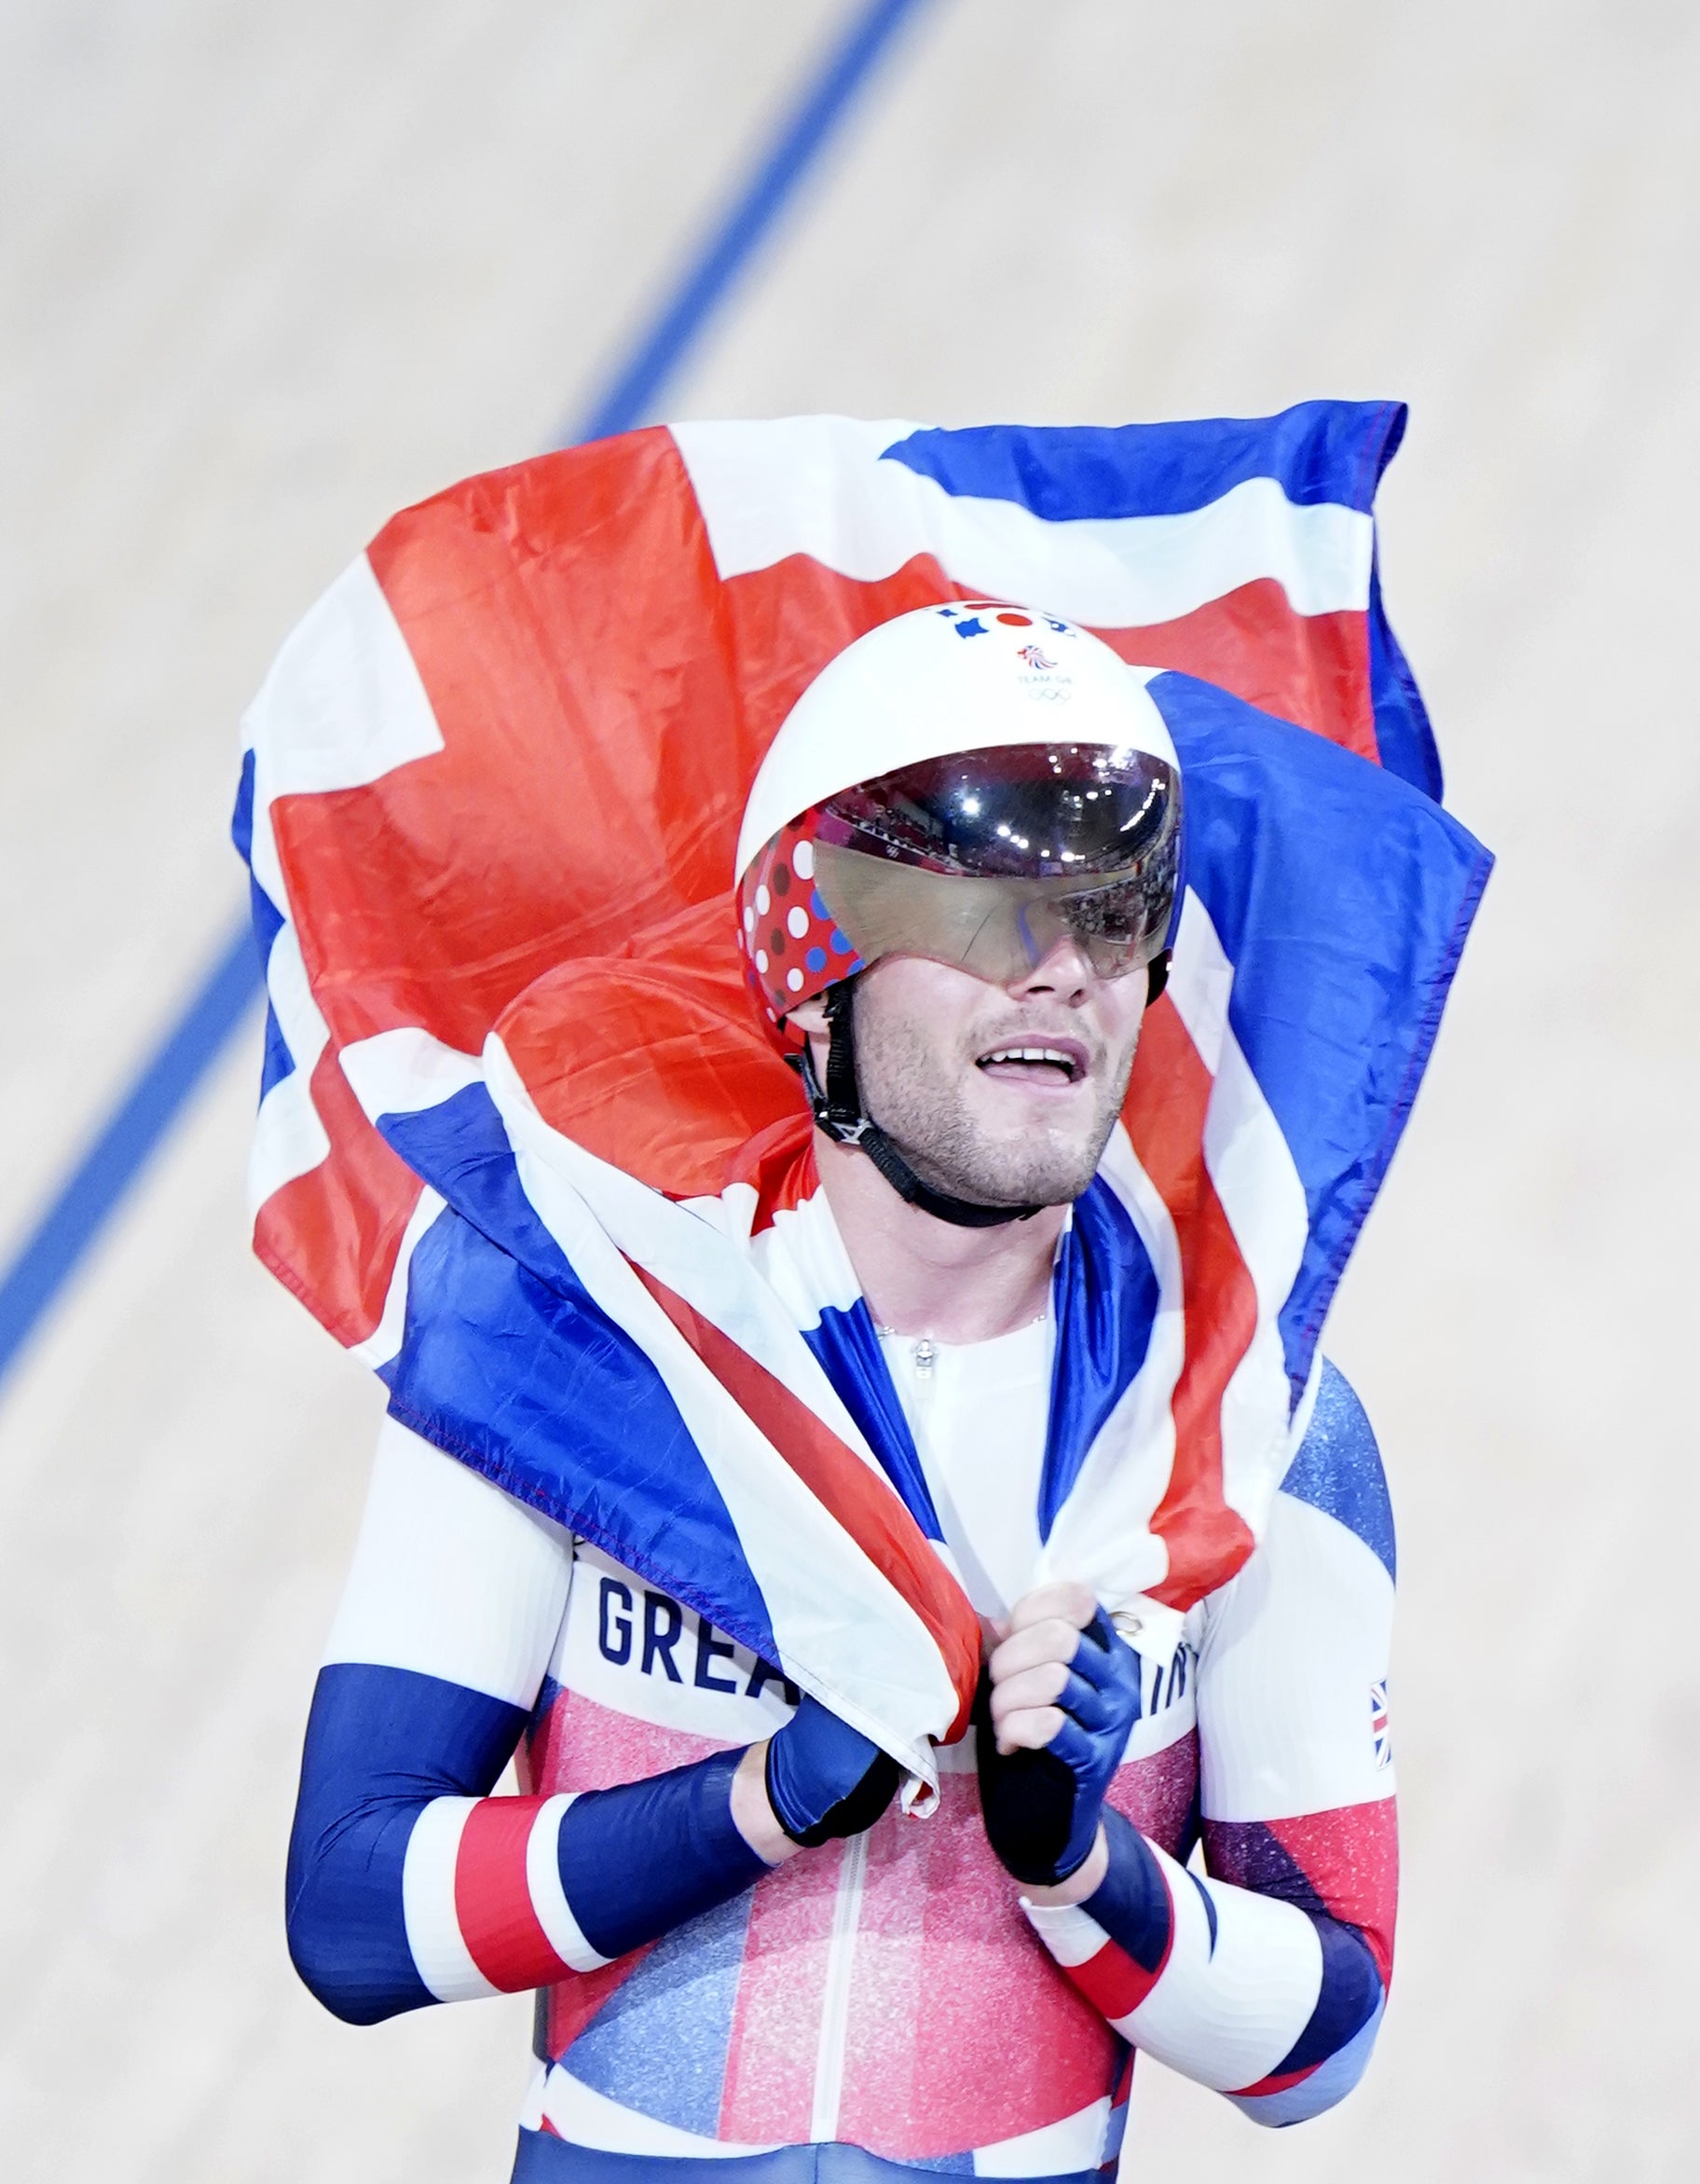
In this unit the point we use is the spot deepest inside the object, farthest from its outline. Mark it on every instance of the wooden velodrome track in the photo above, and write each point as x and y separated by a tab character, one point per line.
272	272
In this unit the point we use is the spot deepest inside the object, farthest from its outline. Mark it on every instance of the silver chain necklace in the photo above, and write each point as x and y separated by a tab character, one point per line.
923	1351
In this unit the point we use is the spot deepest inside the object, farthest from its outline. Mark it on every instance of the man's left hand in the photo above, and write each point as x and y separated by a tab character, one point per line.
1062	1696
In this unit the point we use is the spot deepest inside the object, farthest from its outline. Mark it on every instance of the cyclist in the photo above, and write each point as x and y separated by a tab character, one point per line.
956	900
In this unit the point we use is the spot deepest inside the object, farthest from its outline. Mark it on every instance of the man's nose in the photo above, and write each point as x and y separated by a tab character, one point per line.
1064	970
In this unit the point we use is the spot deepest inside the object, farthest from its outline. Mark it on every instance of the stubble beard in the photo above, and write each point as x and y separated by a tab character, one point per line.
914	1093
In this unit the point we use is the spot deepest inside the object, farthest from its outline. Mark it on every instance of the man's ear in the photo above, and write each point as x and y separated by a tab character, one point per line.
810	1017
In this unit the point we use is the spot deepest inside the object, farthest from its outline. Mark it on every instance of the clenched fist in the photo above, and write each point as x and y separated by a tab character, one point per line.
1060	1697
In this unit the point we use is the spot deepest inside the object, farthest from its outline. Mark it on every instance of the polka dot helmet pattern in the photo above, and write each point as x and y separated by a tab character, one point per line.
793	951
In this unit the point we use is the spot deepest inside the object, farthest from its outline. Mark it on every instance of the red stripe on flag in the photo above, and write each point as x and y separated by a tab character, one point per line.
1311	669
332	1236
789	619
1165	1109
493	1898
708	1079
779	1166
595	752
863	1505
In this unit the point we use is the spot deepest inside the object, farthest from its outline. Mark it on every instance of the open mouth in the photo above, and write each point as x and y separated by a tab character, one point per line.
1050	1061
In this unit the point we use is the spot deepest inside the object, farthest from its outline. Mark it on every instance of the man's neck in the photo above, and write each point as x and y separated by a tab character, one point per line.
924	1276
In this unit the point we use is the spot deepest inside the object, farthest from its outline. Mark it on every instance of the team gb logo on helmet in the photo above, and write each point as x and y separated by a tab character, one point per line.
1046	679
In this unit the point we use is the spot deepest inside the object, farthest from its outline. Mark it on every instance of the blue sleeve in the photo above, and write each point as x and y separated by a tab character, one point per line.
383	1746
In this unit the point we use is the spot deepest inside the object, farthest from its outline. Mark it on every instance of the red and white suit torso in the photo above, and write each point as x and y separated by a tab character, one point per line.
890	1991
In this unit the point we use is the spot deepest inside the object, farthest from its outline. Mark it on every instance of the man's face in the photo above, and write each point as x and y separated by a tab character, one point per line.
1004	1095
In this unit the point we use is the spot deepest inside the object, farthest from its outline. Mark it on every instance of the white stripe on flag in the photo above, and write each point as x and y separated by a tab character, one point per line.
406	1071
694	1257
561	1929
289	1138
343	704
803	1257
816	485
440	1955
1263	1199
385	1341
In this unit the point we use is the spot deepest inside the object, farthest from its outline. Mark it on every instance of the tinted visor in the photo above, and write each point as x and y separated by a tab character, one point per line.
986	860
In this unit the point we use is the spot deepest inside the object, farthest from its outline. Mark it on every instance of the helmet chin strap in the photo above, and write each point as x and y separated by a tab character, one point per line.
838	1111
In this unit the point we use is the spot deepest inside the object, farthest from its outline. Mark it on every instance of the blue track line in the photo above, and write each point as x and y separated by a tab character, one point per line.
86	1201
723	253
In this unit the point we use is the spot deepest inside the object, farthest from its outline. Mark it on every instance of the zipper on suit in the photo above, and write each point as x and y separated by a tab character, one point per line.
835	1996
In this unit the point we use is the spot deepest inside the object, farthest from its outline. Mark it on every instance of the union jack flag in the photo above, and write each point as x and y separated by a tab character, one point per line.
523	1147
1379	1725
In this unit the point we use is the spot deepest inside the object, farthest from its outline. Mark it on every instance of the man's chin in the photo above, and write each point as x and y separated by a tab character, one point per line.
1034	1145
1020	1175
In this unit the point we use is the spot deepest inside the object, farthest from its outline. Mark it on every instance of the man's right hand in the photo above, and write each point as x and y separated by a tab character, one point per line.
823	1779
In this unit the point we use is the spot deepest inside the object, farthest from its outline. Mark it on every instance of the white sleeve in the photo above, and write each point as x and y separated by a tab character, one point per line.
451	1577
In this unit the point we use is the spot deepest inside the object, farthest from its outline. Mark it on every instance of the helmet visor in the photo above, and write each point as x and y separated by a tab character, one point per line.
987	859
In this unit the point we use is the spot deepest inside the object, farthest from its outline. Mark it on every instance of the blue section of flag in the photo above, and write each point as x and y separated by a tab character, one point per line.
267	920
509	1364
1105	1293
380	1744
1341	897
277	1062
1319	453
241	818
1316	452
847	1345
1404	741
1338	1470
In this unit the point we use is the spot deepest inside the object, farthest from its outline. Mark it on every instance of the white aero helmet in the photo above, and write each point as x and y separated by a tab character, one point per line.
971	782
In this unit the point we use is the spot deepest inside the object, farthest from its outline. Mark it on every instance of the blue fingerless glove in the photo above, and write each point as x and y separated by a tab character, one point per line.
1042	1808
825	1779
